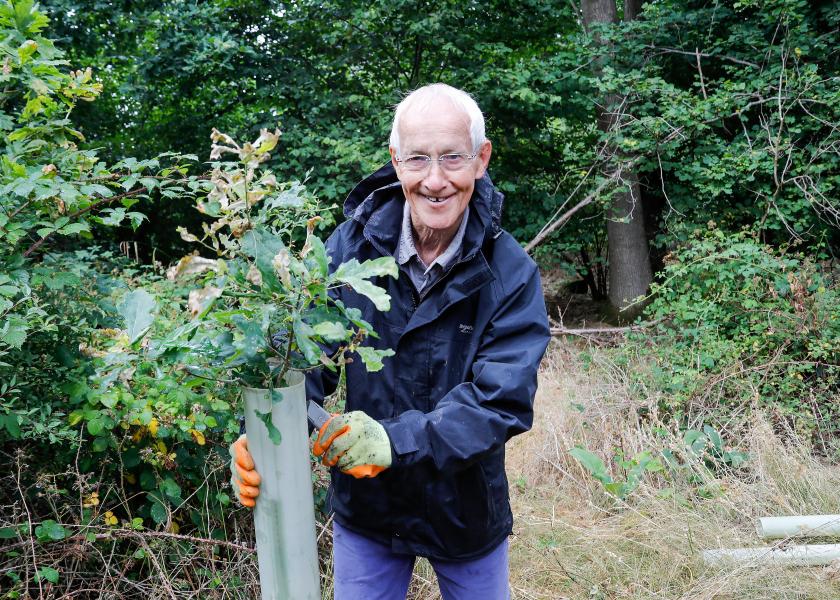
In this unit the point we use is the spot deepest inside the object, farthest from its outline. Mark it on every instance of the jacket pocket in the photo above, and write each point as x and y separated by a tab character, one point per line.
460	510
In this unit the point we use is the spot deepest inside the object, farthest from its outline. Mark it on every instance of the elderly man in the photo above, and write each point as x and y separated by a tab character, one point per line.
419	458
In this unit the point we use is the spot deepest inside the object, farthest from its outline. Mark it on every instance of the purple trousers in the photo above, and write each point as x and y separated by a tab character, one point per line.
365	569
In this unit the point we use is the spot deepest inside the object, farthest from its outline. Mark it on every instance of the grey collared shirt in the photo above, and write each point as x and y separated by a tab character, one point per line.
421	274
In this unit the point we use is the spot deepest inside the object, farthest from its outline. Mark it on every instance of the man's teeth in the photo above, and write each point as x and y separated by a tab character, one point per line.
436	200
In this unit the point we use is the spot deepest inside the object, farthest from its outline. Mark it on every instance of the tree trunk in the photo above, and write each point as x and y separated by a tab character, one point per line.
629	259
632	8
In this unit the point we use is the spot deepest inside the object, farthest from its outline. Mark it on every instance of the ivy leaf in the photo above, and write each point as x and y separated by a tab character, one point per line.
273	432
136	309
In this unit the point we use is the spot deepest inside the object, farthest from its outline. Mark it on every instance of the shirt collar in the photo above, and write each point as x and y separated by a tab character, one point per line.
407	249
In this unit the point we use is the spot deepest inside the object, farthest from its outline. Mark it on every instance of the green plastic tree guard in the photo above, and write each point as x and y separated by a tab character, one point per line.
284	518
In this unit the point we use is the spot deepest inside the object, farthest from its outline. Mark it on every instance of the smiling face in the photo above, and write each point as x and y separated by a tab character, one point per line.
437	197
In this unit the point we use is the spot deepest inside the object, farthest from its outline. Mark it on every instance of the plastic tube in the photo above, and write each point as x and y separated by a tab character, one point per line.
811	554
799	526
284	518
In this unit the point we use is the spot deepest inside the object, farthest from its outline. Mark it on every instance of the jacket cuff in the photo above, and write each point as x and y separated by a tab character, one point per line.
403	443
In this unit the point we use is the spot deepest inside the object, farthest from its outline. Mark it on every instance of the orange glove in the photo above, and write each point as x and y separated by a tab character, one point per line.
244	478
354	442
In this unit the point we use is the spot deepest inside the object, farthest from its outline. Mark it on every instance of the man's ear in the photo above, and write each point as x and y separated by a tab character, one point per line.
393	152
483	158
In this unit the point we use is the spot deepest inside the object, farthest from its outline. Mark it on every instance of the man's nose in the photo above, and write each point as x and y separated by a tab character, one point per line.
435	178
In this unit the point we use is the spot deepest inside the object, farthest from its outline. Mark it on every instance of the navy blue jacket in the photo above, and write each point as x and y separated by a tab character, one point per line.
461	384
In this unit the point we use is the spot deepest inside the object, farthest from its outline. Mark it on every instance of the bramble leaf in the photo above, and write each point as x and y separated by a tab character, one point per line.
137	310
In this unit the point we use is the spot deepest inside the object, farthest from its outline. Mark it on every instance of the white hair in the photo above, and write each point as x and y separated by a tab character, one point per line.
426	95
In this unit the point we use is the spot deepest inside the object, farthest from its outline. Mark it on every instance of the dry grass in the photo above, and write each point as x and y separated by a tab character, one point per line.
572	540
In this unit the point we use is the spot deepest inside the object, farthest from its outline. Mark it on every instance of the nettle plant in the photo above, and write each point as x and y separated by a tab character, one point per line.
261	307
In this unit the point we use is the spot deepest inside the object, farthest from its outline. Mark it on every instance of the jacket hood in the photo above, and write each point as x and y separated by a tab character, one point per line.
487	201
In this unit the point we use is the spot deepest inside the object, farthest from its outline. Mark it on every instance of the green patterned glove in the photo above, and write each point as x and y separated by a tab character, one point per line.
356	443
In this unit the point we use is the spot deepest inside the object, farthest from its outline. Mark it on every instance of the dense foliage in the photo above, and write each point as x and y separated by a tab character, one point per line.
742	326
727	113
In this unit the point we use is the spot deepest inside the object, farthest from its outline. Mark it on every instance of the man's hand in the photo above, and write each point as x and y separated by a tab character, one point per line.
356	443
244	478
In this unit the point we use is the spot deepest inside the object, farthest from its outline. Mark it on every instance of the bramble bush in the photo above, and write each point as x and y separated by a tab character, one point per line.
741	325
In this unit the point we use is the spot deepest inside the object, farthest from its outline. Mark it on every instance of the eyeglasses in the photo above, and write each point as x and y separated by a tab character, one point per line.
418	163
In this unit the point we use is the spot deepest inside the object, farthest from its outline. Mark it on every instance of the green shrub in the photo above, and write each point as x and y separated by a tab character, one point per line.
742	325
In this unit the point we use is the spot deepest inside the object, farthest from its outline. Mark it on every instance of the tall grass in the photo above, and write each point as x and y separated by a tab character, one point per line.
572	540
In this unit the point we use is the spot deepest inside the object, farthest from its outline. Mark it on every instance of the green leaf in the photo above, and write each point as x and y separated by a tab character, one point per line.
26	50
319	252
273	432
331	331
7	533
50	530
55	280
356	275
254	338
262	246
713	436
303	336
137	311
171	489
74	229
47	573
113	216
13	331
95	427
592	463
159	514
148	481
12	426
373	357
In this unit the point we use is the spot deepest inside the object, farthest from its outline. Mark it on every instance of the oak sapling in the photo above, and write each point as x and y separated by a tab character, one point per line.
262	304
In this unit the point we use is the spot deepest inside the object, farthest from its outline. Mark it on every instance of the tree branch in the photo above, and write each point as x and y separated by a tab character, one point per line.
739	61
82	211
562	219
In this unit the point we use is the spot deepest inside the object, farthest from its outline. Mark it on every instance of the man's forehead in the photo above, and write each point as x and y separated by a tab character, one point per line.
441	122
436	105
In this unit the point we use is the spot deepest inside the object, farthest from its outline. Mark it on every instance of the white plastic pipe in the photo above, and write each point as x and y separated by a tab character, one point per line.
811	554
799	526
284	518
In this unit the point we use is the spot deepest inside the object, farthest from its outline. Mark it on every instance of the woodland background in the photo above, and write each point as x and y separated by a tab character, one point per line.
684	151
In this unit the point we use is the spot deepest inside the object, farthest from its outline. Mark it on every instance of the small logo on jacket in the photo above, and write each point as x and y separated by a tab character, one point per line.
465	328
